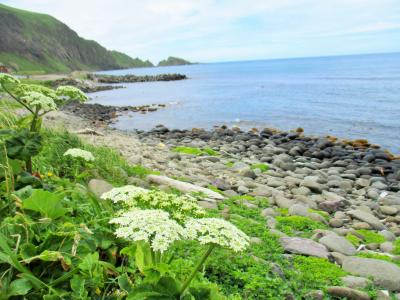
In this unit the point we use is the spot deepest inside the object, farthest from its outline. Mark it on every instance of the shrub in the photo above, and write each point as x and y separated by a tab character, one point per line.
195	151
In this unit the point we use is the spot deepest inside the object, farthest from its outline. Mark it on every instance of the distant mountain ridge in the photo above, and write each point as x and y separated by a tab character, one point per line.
38	43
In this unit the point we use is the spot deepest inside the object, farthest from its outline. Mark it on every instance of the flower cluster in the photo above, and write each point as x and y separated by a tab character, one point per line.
79	153
23	90
179	207
7	79
124	194
35	99
216	231
71	93
150	225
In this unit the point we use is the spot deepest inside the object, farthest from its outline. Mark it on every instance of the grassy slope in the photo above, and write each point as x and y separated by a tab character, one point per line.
38	43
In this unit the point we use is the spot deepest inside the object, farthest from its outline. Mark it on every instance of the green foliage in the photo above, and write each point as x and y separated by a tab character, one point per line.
49	39
23	144
46	203
298	225
353	239
195	151
316	272
396	245
262	167
370	236
322	213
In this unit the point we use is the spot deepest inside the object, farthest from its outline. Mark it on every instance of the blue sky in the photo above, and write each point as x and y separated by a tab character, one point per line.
222	30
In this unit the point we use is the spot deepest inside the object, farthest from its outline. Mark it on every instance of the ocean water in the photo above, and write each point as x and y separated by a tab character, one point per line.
347	96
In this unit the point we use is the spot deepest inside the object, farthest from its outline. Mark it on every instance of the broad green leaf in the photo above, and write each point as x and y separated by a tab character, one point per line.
23	145
143	256
46	203
124	283
89	262
20	287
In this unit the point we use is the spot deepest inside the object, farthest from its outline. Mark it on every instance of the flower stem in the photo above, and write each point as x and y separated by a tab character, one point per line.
196	269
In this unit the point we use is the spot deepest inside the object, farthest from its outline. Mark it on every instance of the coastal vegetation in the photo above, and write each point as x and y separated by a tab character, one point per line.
61	237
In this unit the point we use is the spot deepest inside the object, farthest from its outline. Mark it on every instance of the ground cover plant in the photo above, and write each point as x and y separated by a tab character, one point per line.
60	241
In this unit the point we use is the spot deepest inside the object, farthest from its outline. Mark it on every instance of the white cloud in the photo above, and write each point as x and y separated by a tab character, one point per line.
204	30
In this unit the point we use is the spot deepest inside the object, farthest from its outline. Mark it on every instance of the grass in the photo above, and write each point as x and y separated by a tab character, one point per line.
396	245
298	225
109	164
195	151
368	237
262	167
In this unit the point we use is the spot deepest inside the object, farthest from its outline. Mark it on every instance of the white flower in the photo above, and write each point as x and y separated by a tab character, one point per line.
6	78
40	100
180	207
76	152
123	194
71	92
216	231
152	226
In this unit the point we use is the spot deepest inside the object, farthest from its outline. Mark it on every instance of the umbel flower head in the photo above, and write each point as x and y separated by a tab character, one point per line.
79	153
179	207
150	225
216	231
71	93
7	79
36	99
123	194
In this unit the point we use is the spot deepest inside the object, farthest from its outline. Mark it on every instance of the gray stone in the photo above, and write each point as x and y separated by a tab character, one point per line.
312	184
330	206
389	236
262	191
384	274
336	223
269	212
283	202
391	200
355	282
367	217
386	247
388	210
338	243
303	246
99	186
298	210
347	293
207	204
184	186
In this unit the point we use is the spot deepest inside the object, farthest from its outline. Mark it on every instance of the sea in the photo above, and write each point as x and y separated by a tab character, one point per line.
351	97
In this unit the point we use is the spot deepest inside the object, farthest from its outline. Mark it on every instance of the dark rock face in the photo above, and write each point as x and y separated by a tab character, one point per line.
104	113
135	78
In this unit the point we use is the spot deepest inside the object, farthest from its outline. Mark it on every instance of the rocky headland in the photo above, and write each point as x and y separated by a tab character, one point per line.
134	78
351	187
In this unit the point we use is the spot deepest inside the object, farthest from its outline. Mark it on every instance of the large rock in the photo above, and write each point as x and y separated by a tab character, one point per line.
384	274
338	243
99	186
347	293
355	282
312	184
367	218
184	186
303	246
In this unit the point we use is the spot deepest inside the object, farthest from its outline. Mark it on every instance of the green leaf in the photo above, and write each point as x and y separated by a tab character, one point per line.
23	145
124	283
20	287
46	203
143	256
78	287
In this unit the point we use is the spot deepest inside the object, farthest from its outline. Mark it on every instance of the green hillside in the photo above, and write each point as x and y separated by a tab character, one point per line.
38	43
173	61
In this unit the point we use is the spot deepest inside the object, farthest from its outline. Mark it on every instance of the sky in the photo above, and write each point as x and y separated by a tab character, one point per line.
230	30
